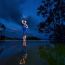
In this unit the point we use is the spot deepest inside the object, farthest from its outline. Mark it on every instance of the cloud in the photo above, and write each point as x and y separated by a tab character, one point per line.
10	9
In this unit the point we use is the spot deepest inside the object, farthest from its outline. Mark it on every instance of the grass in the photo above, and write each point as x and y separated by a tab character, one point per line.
53	55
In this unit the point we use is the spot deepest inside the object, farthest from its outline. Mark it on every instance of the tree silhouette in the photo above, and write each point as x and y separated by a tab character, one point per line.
2	28
54	11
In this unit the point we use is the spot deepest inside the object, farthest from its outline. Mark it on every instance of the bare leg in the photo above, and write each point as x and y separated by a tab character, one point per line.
24	40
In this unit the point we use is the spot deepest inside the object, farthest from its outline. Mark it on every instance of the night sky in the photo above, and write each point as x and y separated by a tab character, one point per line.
13	11
29	8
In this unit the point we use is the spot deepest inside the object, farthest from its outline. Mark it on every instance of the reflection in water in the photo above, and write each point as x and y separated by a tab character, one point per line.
24	56
14	52
23	60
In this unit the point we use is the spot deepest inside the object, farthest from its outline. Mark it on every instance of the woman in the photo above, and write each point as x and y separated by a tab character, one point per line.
25	27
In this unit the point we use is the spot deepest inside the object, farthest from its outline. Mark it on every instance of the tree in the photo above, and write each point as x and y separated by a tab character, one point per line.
54	11
2	28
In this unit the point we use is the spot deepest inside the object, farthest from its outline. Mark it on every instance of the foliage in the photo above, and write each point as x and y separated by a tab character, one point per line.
54	56
54	11
59	34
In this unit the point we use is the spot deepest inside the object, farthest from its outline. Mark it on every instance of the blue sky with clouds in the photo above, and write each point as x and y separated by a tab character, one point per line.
29	8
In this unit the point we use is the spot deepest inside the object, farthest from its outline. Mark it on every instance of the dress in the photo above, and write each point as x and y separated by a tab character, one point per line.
24	30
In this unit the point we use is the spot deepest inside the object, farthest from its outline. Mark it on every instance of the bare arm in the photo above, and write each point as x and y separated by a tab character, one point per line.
26	26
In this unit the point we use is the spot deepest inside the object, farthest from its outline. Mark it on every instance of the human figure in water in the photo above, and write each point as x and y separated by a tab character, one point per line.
25	27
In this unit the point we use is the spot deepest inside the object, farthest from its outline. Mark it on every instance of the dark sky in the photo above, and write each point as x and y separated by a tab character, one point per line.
29	8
